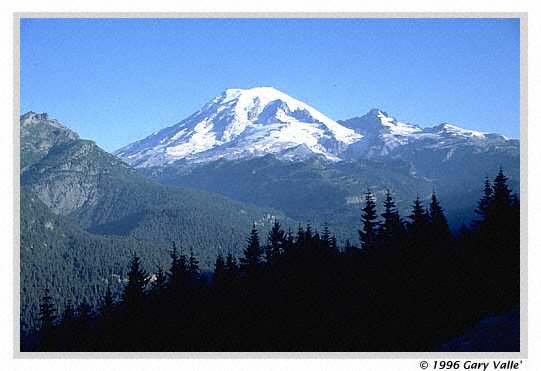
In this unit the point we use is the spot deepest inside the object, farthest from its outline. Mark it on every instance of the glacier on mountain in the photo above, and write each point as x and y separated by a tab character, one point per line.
245	123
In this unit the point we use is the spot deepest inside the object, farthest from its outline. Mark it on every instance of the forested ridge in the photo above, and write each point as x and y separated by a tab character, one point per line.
82	211
408	285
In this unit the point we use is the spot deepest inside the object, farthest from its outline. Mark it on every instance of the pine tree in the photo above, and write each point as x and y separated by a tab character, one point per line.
251	261
178	272
496	204
501	192
137	280
498	260
300	236
290	240
418	216
391	229
219	276
308	235
438	221
486	201
275	242
231	268
193	267
160	283
326	236
332	243
367	234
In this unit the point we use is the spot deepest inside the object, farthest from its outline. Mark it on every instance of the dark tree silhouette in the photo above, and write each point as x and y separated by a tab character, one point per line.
391	229
134	291
439	225
275	242
486	200
250	263
219	276
368	231
160	281
193	267
178	271
411	293
418	218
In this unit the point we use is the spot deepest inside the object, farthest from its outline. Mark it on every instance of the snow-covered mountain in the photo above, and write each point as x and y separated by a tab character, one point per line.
246	123
385	136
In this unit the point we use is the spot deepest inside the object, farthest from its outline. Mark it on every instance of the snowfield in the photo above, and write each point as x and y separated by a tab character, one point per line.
244	123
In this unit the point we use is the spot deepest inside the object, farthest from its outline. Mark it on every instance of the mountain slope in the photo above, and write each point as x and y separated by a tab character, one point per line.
384	136
103	195
243	123
39	134
314	191
84	213
57	254
385	153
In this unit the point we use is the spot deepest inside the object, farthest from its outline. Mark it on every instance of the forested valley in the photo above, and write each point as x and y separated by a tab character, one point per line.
408	284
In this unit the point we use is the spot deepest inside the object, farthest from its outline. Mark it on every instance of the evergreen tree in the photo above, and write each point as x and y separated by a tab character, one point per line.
193	267
501	192
300	236
332	243
290	241
275	242
498	245
486	201
137	280
160	282
308	235
178	271
107	304
391	229
251	261
231	268
418	217
219	276
367	234
326	236
438	221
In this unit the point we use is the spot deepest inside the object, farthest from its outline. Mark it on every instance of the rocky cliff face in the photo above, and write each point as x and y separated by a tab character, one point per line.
104	195
67	178
65	172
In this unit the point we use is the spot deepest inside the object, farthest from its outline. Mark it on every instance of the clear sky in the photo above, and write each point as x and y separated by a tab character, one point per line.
118	80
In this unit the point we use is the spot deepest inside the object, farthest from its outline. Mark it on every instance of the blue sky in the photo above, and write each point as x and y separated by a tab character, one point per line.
118	80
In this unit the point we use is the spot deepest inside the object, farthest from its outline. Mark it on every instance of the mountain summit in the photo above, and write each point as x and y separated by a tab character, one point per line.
244	123
247	123
39	133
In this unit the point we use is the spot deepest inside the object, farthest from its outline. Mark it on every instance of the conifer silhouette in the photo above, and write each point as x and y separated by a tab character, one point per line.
368	231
